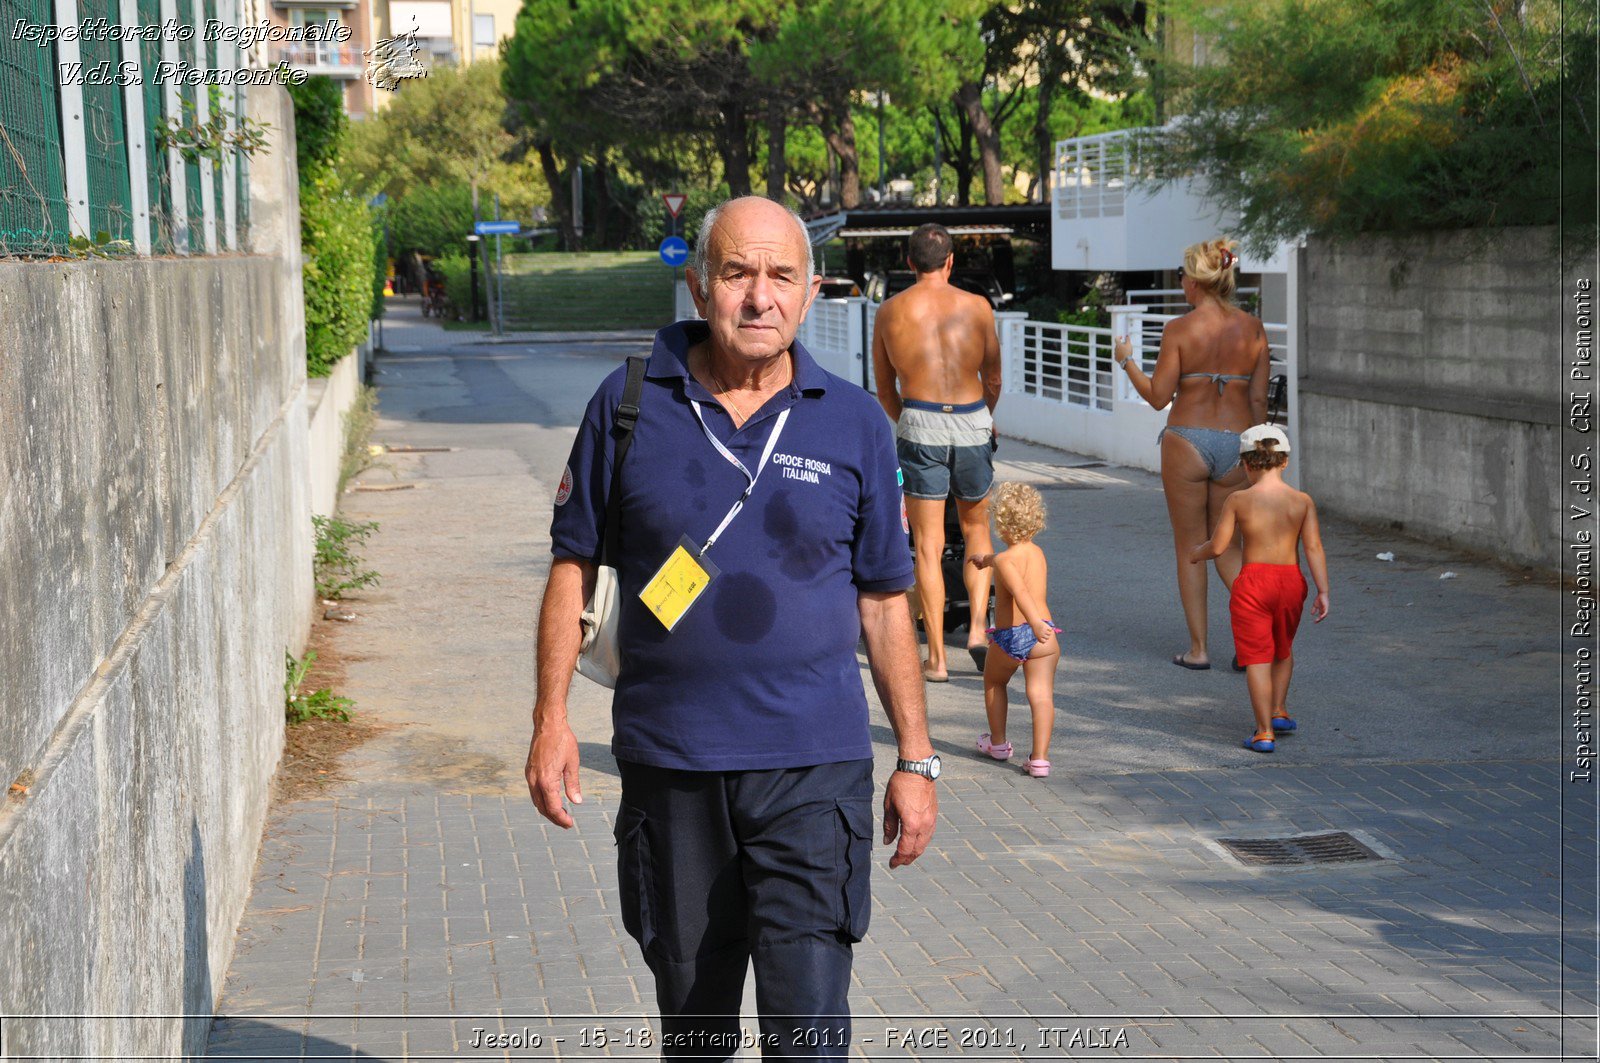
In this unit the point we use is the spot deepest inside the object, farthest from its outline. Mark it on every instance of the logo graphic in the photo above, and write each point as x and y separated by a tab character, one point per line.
905	518
394	59
564	492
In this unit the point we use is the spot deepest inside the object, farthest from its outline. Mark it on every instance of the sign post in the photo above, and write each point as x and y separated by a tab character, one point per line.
674	250
497	229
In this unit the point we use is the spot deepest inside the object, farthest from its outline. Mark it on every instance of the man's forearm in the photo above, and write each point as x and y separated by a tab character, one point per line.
892	653
560	636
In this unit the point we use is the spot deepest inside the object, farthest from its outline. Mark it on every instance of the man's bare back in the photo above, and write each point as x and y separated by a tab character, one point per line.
936	343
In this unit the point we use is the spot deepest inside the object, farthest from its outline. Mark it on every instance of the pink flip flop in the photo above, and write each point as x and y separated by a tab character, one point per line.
1037	768
1001	751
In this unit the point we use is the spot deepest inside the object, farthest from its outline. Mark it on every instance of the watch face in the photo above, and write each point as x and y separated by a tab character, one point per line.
933	766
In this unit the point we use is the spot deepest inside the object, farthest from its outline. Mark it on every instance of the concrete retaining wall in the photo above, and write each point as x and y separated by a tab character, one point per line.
155	556
327	401
1429	377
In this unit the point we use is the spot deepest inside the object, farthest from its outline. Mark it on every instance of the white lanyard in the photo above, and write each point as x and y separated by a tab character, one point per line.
772	441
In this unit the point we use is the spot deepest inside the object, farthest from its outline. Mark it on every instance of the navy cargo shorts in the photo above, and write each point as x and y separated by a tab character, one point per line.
718	869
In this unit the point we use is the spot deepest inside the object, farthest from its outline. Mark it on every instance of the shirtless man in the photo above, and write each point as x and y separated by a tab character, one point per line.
937	359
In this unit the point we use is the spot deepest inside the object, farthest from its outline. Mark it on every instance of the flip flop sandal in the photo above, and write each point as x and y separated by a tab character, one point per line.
1237	667
1037	768
931	678
1282	724
1261	742
1181	663
980	655
997	750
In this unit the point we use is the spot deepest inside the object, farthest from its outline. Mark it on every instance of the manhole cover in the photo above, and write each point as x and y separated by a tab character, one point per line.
1333	847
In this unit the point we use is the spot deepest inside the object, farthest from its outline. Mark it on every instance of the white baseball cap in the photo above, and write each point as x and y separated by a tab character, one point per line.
1252	438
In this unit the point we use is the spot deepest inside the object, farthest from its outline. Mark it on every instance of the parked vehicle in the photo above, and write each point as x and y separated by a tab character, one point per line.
838	288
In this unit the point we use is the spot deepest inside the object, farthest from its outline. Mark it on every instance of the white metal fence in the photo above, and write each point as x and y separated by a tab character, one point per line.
1092	174
1062	386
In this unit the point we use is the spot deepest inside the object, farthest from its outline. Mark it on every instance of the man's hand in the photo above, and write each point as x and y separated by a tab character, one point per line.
1319	608
553	769
981	560
910	807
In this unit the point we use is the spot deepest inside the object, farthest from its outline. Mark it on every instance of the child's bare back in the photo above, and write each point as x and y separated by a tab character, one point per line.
1272	517
1021	566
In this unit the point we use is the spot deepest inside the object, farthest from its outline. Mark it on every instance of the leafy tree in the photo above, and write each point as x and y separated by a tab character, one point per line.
826	52
1390	115
444	129
1065	49
433	219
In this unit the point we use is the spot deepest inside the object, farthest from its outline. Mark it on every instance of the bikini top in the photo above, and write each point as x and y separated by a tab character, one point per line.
1219	379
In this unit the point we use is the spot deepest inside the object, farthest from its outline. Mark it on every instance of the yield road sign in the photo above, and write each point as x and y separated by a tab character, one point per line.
674	202
674	251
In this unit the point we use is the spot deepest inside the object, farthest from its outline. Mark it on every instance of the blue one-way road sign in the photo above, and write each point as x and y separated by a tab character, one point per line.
674	251
497	228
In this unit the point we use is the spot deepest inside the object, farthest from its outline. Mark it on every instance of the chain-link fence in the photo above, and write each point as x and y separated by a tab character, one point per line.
33	188
70	132
105	129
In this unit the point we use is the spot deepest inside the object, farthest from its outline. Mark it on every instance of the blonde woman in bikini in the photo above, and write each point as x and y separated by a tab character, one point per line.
1213	370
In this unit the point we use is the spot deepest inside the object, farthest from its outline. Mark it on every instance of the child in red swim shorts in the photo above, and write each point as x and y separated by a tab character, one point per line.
1269	592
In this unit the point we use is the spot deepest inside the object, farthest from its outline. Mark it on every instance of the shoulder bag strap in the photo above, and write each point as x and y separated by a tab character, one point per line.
627	416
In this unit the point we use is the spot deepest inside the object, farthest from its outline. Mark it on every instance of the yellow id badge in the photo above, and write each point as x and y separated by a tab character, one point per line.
678	583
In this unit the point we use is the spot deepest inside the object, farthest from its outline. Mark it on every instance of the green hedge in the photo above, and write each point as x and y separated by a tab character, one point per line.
457	271
336	244
337	232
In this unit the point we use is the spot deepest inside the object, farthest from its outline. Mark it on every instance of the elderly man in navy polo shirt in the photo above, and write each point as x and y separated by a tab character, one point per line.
741	725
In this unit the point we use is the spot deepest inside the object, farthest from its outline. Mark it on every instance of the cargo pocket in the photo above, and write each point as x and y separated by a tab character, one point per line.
853	859
635	876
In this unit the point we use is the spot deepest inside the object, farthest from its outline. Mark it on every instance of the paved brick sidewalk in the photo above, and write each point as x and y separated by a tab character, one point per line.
1051	916
1069	904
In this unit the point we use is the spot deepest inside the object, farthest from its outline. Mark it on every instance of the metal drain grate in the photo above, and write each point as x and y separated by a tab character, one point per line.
1334	847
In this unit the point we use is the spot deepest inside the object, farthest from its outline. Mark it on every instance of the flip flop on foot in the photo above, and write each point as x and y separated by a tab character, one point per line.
1037	768
997	750
980	655
929	675
1282	723
1237	667
1183	662
1261	742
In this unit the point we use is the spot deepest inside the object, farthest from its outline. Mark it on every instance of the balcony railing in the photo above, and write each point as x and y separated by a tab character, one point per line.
1092	174
322	58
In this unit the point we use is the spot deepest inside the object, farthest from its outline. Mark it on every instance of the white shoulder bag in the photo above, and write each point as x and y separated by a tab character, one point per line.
600	655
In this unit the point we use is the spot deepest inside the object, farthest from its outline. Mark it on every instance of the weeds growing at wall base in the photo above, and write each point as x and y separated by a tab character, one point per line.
337	564
300	706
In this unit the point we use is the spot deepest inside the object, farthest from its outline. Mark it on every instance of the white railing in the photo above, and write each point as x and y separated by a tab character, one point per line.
1092	174
834	331
1144	329
1171	300
321	57
1069	364
683	303
1066	390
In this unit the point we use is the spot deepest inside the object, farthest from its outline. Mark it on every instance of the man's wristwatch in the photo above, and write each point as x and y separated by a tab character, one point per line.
927	767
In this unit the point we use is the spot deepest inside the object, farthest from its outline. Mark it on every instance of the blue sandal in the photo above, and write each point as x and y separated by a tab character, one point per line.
1282	724
1261	742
